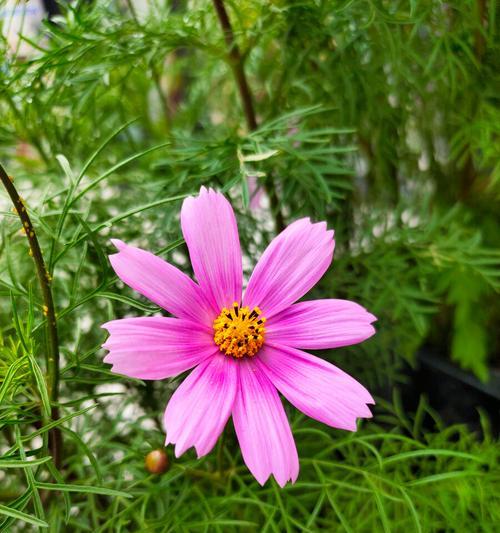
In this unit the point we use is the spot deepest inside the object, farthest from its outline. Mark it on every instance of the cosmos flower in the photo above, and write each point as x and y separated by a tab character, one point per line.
243	348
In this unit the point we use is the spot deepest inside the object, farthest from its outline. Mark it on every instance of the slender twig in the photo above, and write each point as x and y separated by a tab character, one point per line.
52	355
236	62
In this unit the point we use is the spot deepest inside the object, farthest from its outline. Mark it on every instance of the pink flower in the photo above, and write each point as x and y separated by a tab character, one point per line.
243	350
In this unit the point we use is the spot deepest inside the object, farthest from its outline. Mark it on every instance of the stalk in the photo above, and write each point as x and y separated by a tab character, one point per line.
237	65
44	279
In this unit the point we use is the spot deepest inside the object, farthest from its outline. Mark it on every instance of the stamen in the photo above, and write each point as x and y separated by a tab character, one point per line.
239	332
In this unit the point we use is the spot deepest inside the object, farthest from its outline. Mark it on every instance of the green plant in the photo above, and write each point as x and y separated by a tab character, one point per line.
380	117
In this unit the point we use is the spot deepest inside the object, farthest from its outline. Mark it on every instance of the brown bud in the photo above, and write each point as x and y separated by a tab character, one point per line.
156	462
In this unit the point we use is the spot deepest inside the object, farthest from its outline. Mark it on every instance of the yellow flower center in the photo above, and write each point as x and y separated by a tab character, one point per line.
238	331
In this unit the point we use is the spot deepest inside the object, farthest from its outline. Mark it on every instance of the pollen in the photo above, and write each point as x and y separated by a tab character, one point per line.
239	331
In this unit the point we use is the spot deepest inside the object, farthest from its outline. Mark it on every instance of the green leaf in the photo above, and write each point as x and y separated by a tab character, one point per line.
10	375
19	515
16	463
259	157
83	489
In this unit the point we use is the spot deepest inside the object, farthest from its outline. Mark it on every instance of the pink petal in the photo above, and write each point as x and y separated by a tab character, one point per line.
161	282
209	227
199	409
262	428
319	389
320	324
156	347
290	266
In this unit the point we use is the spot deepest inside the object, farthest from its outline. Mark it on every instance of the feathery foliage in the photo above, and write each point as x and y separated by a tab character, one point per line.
380	117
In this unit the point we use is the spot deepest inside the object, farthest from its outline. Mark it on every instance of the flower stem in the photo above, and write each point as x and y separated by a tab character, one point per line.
52	355
236	62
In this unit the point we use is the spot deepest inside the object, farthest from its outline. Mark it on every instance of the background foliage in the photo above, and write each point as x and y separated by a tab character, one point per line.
379	116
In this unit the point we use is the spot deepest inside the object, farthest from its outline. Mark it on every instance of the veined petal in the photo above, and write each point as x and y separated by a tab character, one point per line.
199	409
320	324
315	387
209	227
156	347
161	282
290	266
262	428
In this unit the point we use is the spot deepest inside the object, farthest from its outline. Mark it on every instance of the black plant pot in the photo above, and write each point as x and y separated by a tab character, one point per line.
455	394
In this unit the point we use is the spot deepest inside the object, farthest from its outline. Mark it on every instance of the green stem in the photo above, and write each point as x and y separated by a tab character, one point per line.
236	61
44	279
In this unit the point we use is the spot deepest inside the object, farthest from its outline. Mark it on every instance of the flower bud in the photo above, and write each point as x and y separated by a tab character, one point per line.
156	462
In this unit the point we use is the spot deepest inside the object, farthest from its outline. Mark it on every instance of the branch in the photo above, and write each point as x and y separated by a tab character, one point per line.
44	279
236	61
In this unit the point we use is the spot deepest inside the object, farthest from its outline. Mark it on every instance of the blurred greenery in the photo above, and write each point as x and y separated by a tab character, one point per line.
379	116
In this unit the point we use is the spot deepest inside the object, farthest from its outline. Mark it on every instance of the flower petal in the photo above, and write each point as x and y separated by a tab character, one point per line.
209	227
316	387
199	409
262	428
156	347
161	282
290	266
320	324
